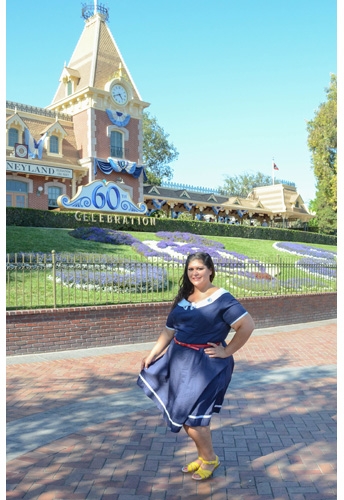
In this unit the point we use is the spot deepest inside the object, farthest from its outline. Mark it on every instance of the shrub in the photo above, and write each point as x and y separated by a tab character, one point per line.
47	218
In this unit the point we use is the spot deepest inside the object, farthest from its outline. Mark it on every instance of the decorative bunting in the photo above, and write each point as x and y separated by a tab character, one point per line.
35	147
188	206
241	212
107	167
158	203
126	166
118	118
216	209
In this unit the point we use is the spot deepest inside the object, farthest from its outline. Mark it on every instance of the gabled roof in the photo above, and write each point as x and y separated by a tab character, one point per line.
280	198
15	119
38	124
182	194
153	189
247	204
53	128
212	197
271	197
233	200
272	200
70	72
95	60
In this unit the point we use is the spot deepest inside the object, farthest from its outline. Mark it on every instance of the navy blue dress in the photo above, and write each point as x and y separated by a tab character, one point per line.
186	384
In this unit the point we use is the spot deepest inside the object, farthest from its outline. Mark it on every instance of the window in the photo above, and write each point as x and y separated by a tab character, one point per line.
69	87
116	145
54	144
13	185
16	193
13	136
53	193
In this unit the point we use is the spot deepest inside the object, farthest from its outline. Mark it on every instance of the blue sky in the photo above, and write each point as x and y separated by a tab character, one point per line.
233	82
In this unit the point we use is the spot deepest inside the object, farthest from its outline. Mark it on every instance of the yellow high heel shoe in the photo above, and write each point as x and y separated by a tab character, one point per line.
204	473
192	466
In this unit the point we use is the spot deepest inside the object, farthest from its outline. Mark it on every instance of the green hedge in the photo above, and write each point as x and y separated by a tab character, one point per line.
45	218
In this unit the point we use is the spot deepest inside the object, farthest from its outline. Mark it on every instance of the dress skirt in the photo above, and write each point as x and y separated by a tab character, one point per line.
187	385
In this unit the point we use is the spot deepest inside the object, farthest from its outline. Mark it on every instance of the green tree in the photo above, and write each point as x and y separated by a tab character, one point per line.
158	152
241	185
322	142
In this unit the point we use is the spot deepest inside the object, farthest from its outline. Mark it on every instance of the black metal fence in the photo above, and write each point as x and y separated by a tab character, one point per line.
67	280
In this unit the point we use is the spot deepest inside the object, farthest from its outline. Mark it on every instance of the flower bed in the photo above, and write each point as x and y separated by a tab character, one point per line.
135	277
103	235
235	270
304	250
315	260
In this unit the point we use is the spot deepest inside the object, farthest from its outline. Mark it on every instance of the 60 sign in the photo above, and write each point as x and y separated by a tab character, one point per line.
99	199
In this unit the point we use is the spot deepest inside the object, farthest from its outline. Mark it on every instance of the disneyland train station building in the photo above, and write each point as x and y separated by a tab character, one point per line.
89	139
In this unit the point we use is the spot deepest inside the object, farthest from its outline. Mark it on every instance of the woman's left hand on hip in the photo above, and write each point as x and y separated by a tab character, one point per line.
215	351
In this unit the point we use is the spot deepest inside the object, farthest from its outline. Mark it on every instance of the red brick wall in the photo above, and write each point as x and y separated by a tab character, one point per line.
134	146
48	330
41	202
103	141
103	150
81	125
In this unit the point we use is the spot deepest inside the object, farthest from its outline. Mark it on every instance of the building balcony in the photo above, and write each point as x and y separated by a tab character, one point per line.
117	152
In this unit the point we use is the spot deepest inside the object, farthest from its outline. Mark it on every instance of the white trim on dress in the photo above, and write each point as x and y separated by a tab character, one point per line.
162	404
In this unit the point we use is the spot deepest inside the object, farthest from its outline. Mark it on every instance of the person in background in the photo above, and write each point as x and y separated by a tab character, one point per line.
190	367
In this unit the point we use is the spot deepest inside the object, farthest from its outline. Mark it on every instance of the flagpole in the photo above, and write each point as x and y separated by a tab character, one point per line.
273	172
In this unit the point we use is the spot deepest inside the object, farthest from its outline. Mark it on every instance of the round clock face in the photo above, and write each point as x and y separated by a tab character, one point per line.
119	94
21	150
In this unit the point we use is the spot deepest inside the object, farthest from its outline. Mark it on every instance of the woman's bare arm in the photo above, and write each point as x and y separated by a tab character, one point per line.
243	330
163	341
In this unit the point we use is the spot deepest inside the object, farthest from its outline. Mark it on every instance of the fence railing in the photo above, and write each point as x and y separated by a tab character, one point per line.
67	280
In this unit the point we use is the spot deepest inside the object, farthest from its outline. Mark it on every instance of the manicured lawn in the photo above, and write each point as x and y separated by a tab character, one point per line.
36	239
100	273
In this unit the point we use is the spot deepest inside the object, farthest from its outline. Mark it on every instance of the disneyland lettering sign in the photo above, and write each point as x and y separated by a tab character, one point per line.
31	168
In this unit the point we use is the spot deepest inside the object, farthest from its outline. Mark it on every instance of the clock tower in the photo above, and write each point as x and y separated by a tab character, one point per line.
97	90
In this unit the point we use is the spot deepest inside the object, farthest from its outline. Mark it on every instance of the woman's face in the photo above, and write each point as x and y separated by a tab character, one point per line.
198	273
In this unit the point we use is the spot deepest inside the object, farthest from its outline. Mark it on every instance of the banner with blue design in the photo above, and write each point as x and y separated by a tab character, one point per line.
216	209
188	206
118	118
120	166
101	196
35	148
158	203
241	213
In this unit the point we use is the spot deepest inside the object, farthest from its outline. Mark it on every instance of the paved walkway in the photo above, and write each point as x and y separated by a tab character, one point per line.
78	427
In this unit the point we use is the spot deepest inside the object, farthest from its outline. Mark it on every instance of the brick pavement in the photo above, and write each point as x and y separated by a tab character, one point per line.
79	428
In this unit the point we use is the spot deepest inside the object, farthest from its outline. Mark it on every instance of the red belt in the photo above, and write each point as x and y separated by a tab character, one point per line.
196	347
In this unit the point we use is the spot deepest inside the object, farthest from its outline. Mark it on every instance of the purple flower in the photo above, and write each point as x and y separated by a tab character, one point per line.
304	250
103	235
129	277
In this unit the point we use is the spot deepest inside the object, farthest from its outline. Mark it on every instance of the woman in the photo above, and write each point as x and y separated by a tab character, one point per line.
188	370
